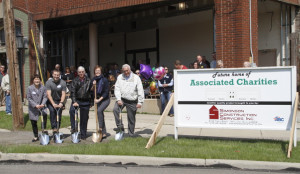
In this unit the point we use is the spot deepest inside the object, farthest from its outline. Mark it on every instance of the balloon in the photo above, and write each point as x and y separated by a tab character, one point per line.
153	69
153	87
145	70
159	73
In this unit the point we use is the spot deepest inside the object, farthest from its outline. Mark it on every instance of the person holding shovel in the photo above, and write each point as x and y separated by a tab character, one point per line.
81	97
129	93
37	98
102	98
56	93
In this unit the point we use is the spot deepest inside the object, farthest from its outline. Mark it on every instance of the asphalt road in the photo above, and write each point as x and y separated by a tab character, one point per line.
71	168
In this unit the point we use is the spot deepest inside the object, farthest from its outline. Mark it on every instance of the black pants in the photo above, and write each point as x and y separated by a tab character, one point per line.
35	127
53	115
131	112
84	117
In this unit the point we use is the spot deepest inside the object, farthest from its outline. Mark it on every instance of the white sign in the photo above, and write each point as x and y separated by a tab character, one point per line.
254	98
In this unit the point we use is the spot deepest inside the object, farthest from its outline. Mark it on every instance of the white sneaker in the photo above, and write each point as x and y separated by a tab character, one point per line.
8	114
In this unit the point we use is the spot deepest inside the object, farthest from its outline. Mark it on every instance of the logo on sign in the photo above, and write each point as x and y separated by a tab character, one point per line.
213	113
279	119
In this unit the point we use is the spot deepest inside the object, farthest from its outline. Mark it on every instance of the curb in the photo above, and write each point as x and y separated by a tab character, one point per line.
148	161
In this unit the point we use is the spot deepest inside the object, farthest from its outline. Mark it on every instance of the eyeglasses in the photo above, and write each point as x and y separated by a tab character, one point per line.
166	69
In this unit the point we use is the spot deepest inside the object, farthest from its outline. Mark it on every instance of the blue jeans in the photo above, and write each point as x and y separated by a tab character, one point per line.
165	97
8	103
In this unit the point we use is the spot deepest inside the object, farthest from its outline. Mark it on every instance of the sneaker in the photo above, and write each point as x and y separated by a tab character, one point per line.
82	137
8	114
54	131
72	131
35	139
118	129
171	115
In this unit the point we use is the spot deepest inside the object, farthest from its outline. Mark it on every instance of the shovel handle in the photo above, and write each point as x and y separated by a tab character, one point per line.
120	115
42	119
57	117
95	106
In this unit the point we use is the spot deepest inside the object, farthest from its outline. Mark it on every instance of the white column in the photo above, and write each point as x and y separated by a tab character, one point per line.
41	34
93	44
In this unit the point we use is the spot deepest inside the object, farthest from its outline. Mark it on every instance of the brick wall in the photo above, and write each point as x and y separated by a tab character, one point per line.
233	33
44	9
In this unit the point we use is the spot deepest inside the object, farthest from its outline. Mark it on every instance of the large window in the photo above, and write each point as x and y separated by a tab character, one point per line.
2	37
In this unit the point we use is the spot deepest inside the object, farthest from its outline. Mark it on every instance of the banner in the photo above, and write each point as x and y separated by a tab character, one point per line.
252	98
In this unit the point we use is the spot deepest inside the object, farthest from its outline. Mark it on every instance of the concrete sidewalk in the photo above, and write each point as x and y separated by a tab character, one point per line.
145	124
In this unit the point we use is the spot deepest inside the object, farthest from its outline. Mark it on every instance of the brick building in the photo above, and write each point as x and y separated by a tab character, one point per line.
105	31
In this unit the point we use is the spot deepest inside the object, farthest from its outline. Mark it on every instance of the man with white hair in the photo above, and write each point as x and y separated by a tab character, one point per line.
129	93
81	98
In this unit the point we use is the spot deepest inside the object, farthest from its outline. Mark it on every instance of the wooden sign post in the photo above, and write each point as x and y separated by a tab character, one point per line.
292	131
152	139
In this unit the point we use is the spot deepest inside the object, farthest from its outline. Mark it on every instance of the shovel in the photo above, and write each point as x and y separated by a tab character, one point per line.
120	134
44	137
97	136
57	135
74	136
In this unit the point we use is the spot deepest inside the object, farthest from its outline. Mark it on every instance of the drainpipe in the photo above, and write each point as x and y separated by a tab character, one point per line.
250	20
281	37
286	35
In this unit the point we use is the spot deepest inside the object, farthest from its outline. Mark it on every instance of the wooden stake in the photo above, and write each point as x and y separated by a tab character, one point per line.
292	131
13	65
152	139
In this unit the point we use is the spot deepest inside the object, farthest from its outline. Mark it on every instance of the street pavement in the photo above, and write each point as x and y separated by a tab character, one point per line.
145	124
68	168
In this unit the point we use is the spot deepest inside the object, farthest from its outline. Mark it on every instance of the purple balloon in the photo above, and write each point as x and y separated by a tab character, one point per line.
146	71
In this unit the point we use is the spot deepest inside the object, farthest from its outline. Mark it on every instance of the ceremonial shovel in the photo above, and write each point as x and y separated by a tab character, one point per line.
74	136
97	136
44	137
57	136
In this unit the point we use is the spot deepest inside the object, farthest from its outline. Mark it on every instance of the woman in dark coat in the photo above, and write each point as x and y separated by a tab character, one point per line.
37	98
103	99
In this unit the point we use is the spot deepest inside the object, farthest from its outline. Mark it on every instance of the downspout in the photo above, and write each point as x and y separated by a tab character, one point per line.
250	21
286	35
281	37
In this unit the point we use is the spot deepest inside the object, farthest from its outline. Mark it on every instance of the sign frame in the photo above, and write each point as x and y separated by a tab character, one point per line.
292	91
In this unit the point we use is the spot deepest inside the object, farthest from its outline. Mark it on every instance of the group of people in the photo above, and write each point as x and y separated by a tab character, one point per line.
128	92
5	98
200	63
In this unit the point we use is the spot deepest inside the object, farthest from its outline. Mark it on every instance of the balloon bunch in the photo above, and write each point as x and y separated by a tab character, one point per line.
156	73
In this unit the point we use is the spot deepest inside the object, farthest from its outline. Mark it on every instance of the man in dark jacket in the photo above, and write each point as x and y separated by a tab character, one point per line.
165	86
81	97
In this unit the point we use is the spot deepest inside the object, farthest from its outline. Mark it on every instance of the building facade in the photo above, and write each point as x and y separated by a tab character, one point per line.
159	32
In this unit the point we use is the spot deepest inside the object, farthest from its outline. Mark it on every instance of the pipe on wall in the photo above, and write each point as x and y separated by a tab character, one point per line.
250	21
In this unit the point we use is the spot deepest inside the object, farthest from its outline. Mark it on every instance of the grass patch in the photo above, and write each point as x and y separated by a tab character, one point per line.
258	150
6	122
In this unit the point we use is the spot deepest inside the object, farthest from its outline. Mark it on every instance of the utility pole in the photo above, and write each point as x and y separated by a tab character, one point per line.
13	65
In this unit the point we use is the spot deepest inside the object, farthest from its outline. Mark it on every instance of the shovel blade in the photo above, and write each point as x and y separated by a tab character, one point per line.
57	138
97	137
75	138
119	136
44	139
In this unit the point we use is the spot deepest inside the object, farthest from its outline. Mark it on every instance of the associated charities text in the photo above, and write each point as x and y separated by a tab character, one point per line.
215	82
243	80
